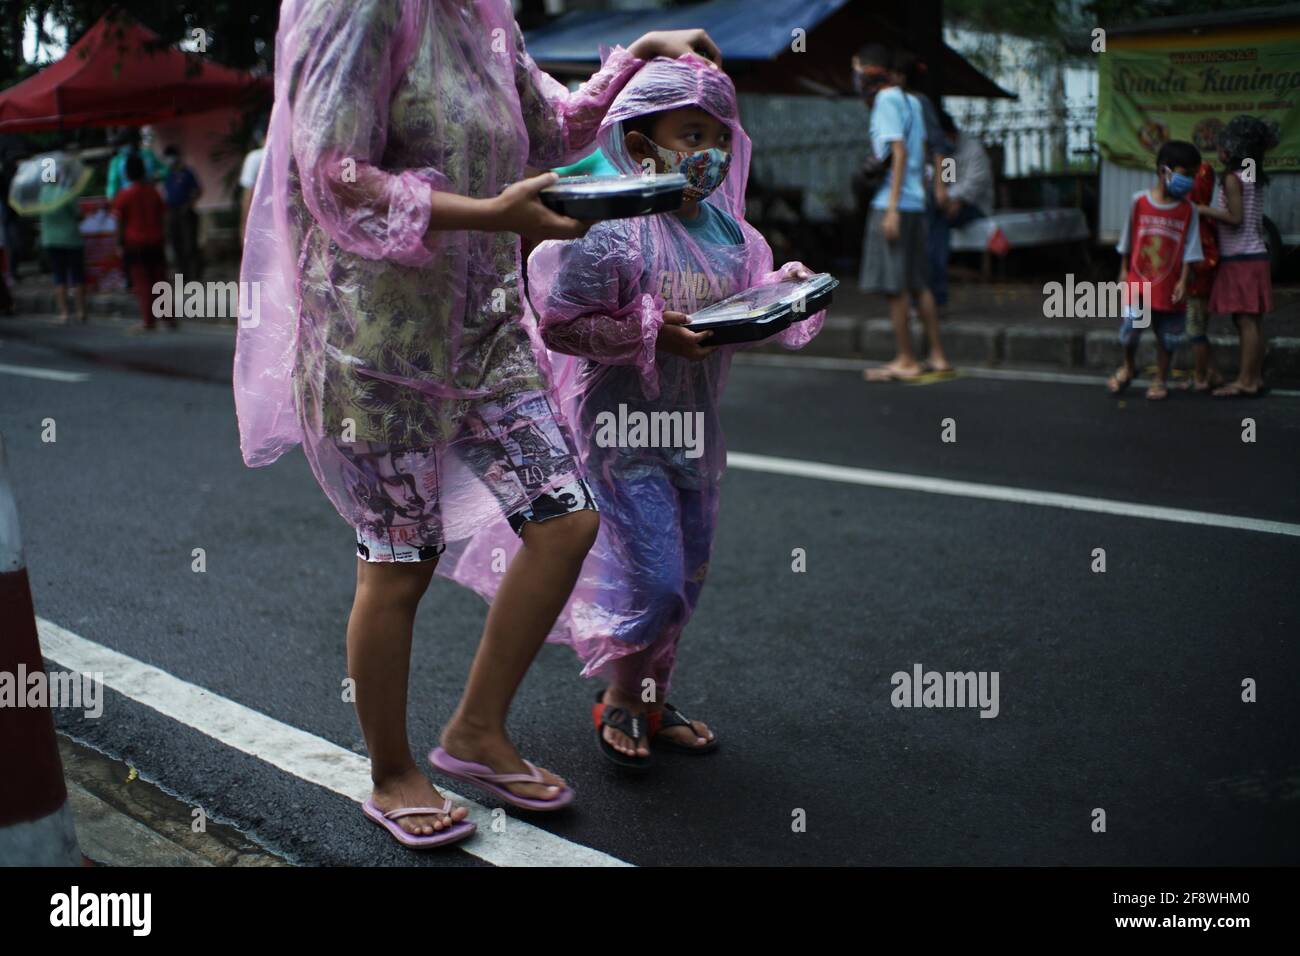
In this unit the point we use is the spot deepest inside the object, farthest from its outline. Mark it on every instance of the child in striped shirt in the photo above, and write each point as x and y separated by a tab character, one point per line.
1242	287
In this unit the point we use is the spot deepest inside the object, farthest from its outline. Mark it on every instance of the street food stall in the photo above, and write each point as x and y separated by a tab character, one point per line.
122	74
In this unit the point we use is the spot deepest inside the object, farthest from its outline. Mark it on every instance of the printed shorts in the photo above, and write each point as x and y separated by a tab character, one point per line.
518	454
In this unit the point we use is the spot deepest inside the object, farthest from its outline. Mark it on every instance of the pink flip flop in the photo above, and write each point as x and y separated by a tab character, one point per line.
484	777
453	834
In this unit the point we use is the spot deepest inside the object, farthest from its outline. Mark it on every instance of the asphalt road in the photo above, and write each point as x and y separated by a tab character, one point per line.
1119	691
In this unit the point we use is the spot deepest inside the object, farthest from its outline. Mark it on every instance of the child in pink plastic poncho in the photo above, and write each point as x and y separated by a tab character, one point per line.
381	330
612	307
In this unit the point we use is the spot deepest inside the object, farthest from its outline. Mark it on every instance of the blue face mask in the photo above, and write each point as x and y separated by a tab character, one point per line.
1179	185
704	169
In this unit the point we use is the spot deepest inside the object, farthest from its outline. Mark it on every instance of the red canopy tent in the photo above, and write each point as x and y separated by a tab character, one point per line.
121	73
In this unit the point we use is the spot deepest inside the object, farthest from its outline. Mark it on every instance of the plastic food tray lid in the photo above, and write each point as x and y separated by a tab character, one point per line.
763	303
610	187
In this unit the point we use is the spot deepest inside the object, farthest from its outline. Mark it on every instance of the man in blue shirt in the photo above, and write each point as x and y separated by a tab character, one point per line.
181	191
894	260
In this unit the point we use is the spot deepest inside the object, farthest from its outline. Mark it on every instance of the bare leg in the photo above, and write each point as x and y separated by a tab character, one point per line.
625	691
1206	375
61	297
379	661
1250	376
1126	372
1157	389
904	358
1252	352
535	588
929	312
79	293
904	364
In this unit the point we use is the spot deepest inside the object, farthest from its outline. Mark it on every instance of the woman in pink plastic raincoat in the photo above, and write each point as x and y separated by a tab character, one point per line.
611	307
381	330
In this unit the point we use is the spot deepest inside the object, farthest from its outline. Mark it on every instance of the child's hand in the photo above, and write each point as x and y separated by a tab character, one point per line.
675	339
1180	289
517	209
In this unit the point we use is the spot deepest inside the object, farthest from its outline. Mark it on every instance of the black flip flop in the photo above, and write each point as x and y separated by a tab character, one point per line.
670	717
633	725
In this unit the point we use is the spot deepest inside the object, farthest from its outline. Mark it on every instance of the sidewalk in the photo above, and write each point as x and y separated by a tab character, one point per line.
998	324
123	820
985	324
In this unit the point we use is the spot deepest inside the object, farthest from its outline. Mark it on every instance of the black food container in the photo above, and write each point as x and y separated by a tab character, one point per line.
614	197
763	311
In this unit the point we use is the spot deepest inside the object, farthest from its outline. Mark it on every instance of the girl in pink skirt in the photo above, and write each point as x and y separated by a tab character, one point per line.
1242	287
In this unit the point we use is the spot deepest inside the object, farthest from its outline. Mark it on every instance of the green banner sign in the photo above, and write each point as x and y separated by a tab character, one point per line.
1154	89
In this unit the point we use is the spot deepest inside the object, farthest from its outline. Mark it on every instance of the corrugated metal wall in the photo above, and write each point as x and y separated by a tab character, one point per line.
1118	184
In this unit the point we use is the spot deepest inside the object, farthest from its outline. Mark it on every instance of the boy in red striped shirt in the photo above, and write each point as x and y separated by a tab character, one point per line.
1161	240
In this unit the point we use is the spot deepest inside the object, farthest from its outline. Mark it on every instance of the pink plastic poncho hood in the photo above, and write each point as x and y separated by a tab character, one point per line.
583	314
688	81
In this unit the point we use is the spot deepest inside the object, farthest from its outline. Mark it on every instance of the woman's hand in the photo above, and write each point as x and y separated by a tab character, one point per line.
794	270
675	339
517	209
673	43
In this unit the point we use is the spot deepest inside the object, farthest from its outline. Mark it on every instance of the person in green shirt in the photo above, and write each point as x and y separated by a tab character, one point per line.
129	142
63	245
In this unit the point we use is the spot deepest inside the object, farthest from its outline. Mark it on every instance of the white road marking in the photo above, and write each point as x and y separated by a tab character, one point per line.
1022	496
51	374
295	751
836	364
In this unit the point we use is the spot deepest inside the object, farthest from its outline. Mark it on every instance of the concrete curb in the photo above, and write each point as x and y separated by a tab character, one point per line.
995	343
123	820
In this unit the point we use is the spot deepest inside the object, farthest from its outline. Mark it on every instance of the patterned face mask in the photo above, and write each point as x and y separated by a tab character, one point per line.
704	169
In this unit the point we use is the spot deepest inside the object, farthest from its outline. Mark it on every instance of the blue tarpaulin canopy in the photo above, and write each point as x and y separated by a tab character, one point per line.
743	29
757	39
